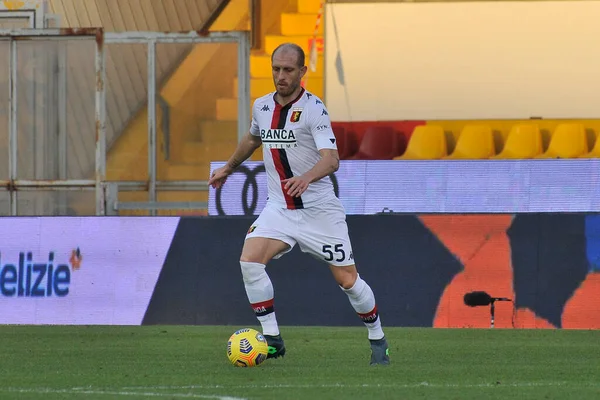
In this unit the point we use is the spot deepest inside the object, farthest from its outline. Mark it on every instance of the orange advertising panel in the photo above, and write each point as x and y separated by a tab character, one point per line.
552	277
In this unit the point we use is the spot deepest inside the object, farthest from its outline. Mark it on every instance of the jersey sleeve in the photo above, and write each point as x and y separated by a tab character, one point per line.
320	128
254	129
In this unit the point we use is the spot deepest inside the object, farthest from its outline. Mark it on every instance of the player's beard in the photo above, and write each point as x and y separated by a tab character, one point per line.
288	90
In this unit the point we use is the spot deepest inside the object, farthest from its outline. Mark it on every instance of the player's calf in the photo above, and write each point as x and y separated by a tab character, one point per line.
362	300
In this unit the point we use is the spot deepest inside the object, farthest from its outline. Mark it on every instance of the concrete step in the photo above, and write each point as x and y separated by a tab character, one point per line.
227	109
127	173
258	87
308	6
294	24
203	153
162	197
260	66
183	172
209	128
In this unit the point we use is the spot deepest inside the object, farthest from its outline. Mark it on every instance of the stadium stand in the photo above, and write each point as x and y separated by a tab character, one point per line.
202	99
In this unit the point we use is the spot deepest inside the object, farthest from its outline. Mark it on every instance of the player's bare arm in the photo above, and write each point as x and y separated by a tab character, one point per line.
328	164
245	148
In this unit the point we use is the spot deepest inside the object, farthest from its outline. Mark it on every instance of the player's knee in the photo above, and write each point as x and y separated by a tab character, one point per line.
250	255
345	276
252	271
347	283
255	251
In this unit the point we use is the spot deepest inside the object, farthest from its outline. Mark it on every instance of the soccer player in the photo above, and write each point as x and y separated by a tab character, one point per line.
300	153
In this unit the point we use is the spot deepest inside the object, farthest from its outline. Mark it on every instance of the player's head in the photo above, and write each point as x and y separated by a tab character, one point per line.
287	62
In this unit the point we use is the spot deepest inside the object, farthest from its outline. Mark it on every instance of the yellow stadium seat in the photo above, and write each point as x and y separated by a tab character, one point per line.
567	141
427	142
524	141
474	142
595	152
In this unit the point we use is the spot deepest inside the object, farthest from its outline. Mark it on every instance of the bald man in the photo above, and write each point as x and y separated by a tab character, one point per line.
300	153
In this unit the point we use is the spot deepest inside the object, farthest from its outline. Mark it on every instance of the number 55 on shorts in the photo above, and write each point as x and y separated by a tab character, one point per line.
335	252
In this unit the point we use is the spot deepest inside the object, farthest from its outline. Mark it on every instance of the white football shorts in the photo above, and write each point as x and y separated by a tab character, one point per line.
320	230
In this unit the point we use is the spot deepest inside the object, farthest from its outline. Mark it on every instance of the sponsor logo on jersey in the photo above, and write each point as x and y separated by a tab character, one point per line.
265	108
278	138
296	114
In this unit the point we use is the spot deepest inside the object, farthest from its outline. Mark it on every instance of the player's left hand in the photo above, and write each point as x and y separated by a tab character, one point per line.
296	185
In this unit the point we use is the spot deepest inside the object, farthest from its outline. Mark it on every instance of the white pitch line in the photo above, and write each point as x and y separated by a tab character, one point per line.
341	385
150	391
118	393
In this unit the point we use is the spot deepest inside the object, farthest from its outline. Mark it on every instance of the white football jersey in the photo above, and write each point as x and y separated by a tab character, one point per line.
292	136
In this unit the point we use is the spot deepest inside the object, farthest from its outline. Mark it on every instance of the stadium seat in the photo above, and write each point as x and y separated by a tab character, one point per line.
347	142
427	142
379	143
595	152
474	142
568	141
524	141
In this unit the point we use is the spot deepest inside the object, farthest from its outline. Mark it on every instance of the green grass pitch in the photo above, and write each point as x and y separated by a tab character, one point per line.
170	362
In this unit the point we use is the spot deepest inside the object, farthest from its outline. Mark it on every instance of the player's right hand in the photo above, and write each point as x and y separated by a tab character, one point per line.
219	176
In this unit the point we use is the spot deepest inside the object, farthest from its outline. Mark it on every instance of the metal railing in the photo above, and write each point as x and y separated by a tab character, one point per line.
106	193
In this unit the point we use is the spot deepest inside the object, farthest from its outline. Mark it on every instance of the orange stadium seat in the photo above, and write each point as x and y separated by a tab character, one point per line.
474	142
427	142
524	141
595	152
568	141
379	143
